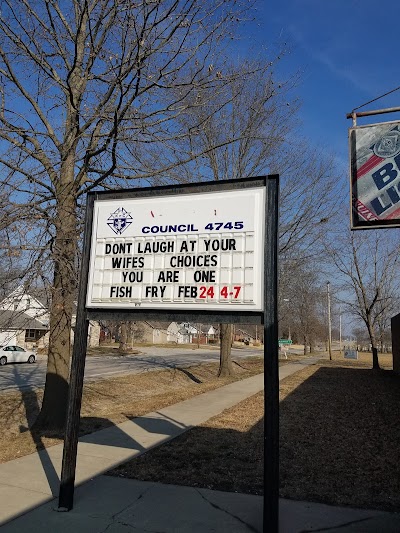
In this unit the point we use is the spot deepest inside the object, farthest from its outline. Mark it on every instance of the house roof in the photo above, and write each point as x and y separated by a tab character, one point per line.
11	320
39	295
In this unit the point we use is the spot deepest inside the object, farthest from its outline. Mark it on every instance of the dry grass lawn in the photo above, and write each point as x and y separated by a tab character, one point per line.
110	401
339	440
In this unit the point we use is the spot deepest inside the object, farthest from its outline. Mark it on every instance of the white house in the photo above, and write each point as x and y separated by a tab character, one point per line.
21	301
209	332
188	333
25	321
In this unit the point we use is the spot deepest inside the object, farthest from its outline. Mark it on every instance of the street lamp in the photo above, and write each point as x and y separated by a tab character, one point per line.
328	285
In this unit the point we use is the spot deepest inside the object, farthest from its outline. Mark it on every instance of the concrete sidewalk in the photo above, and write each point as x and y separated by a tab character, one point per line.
114	504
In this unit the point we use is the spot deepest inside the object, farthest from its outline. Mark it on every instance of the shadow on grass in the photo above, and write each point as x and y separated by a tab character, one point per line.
158	363
339	438
220	459
188	374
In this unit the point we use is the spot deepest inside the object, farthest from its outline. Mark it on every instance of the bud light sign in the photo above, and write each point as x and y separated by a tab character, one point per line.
375	175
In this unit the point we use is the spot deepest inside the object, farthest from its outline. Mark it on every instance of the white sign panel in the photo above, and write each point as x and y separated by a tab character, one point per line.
188	251
350	353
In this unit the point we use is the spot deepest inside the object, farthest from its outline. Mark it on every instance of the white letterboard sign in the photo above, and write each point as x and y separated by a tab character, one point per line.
187	251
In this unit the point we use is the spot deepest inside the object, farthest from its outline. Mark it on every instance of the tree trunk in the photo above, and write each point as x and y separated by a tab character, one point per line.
375	360
372	338
54	406
311	342
305	344
123	340
225	360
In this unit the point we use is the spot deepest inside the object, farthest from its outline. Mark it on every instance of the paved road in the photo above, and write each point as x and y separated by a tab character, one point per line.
25	376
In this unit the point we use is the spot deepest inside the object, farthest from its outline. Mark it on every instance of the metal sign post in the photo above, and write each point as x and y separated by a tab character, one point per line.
182	253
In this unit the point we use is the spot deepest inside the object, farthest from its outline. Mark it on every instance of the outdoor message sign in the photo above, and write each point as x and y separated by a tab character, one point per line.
200	251
350	353
375	175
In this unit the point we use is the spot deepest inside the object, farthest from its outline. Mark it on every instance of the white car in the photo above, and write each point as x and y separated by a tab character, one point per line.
16	354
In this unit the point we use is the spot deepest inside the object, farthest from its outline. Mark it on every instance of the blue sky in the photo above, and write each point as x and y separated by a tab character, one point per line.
347	52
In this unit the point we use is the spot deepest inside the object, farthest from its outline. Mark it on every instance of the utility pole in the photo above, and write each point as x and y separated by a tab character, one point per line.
340	330
288	322
328	285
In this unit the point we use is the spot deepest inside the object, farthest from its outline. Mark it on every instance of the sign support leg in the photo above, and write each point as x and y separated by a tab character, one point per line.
271	369
66	495
67	483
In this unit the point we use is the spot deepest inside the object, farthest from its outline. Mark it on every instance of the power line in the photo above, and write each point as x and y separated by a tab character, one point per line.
377	98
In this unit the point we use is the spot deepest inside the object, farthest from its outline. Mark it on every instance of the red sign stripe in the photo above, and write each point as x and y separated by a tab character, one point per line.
368	165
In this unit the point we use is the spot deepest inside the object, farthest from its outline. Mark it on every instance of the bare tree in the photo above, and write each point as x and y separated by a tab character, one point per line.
91	93
369	265
250	130
85	88
306	296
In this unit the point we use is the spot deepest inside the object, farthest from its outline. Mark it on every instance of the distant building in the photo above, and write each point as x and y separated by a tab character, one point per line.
24	320
199	333
155	332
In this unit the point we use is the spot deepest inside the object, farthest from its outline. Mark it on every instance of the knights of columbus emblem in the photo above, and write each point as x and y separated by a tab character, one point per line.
119	220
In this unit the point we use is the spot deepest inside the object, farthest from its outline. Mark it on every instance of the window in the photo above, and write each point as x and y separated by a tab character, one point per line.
30	334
